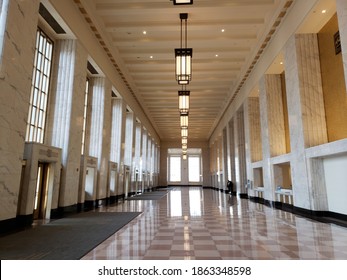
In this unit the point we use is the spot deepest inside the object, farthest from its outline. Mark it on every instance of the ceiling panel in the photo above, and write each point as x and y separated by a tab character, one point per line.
225	35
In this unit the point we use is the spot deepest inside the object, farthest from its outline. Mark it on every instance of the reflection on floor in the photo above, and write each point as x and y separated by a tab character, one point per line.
195	224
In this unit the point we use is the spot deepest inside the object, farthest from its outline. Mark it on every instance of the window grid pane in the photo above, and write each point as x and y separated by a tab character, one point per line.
40	86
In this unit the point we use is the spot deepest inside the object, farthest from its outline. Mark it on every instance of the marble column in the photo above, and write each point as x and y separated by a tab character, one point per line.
341	8
268	179
65	123
15	83
144	162
272	128
213	163
241	167
137	155
305	111
138	145
115	146
129	148
253	141
228	151
225	159
219	150
100	128
118	139
232	152
129	139
206	172
153	163
148	163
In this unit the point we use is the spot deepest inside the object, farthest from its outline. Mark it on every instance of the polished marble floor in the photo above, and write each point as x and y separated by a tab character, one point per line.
198	224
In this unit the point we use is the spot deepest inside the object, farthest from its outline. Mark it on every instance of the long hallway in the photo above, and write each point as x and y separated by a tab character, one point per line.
192	223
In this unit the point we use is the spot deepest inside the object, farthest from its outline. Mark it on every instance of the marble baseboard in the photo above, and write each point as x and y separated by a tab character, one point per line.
15	224
320	216
64	211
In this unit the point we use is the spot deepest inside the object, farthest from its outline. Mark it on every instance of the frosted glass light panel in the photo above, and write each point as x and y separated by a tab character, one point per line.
183	65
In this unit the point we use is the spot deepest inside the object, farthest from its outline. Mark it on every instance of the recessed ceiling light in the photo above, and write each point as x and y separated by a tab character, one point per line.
324	11
144	32
223	30
216	55
281	62
151	57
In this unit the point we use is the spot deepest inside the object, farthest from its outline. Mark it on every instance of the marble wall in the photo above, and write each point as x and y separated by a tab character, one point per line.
62	144
254	128
15	85
306	166
341	7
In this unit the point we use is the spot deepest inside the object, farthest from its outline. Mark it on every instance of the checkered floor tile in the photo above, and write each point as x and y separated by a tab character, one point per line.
199	224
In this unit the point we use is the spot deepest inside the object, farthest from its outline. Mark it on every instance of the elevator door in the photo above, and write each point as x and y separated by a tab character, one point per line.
126	182
41	191
113	178
89	184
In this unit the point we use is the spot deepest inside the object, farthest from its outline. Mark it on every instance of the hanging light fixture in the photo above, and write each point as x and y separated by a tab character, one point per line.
183	55
183	100
184	120
182	2
184	132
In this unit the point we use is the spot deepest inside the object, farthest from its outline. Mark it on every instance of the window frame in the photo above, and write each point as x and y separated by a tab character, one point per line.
40	87
3	23
85	116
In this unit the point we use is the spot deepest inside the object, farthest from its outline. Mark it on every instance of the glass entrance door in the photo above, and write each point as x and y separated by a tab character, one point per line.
184	171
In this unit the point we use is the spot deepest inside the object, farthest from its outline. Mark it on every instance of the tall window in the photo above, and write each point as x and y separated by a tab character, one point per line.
39	88
3	13
85	112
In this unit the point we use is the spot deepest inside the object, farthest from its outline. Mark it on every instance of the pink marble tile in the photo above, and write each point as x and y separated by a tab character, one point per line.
241	230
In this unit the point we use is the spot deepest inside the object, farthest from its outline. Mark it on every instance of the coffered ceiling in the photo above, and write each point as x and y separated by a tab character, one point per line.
227	37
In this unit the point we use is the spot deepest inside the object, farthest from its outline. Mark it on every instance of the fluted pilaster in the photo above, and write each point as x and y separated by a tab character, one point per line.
99	145
66	133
